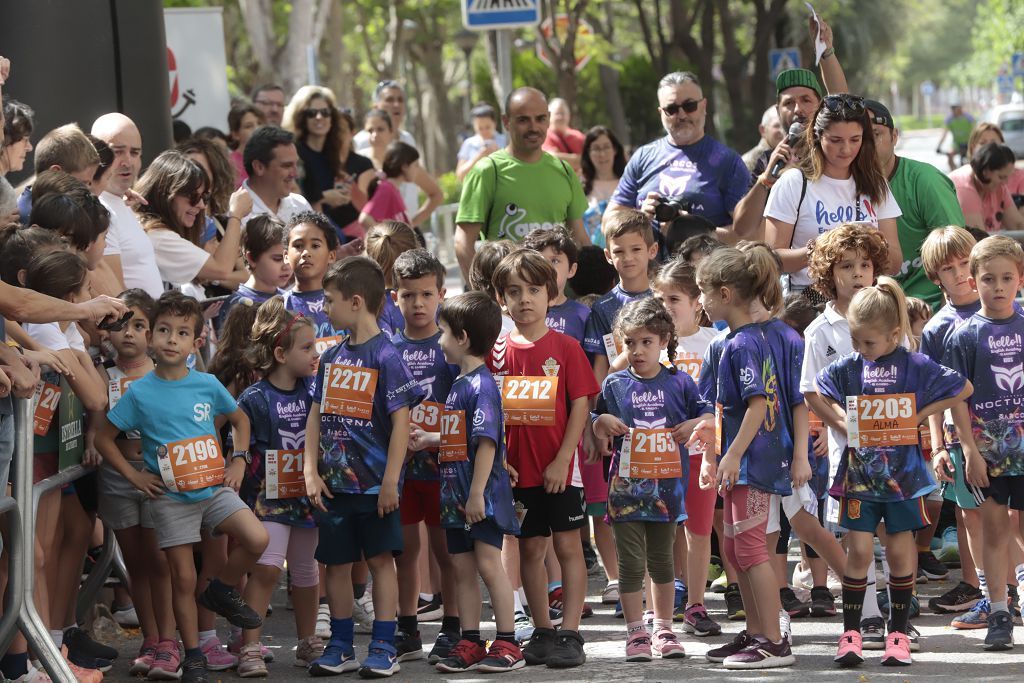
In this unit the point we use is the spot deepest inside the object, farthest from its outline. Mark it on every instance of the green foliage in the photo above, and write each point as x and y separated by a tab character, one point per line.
998	33
638	81
450	186
910	122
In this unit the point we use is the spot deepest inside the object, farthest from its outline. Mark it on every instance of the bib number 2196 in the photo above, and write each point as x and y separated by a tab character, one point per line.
191	464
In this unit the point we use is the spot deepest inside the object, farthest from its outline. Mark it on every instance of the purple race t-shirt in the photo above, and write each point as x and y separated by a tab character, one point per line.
569	318
602	317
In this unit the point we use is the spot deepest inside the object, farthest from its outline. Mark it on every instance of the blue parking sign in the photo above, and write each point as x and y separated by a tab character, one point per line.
483	15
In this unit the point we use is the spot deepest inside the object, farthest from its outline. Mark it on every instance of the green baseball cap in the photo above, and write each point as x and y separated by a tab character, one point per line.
792	78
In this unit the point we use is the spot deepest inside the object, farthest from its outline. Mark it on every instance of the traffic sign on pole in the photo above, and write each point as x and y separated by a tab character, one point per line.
1018	63
485	15
584	40
783	59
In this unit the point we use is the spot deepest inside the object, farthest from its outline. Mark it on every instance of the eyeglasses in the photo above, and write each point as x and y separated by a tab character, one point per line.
324	113
195	198
845	105
689	106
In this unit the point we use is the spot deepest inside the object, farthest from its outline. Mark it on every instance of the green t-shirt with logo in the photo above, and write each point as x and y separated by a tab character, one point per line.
512	198
928	200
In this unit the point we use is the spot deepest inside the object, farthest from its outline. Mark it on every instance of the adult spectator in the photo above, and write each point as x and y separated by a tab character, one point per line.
401	163
602	163
771	133
485	139
984	133
272	163
269	98
129	252
925	196
389	96
14	147
521	188
62	149
356	173
839	182
243	119
686	164
981	189
216	135
176	193
959	125
563	141
212	158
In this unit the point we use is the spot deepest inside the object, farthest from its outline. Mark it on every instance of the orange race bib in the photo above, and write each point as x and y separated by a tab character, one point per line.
528	401
454	442
814	423
612	346
46	398
191	464
427	416
284	474
691	366
116	388
650	454
323	343
718	429
881	421
348	390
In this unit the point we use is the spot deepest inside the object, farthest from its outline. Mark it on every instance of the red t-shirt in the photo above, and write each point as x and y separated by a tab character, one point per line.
532	448
569	142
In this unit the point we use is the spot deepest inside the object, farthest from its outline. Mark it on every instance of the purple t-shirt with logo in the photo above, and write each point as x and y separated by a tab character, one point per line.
602	317
569	318
311	305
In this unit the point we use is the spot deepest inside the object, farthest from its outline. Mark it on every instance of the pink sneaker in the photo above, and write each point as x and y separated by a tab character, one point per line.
666	645
235	647
166	662
217	658
638	647
850	649
897	650
144	662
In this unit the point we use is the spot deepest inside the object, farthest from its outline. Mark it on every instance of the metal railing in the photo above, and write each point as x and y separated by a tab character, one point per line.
442	225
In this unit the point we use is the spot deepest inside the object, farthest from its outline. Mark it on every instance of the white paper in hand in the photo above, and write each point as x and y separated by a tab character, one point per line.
819	44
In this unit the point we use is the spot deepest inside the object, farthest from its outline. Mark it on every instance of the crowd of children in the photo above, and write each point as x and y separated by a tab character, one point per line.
346	412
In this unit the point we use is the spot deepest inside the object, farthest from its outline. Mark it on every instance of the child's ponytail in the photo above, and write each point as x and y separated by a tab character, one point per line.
651	315
682	275
766	268
882	305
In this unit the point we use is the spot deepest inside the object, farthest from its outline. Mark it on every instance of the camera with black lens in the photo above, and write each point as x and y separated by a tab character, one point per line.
669	208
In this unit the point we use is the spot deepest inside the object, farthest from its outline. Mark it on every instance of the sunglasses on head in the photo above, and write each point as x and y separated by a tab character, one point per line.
689	106
852	105
324	113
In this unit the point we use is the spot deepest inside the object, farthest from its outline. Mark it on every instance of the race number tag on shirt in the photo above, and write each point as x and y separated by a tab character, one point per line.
718	429
650	454
323	343
348	390
284	474
691	366
528	401
191	464
427	416
116	388
882	420
815	424
454	445
612	346
46	398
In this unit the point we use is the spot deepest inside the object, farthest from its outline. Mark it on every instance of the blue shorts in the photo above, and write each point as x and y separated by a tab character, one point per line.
966	496
461	540
865	515
351	530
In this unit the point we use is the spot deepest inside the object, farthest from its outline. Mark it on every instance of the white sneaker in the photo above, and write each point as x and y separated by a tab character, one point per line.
323	621
719	584
785	625
362	613
835	584
524	627
126	617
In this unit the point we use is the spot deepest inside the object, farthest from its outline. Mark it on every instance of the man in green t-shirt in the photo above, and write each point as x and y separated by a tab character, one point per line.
926	197
521	188
960	124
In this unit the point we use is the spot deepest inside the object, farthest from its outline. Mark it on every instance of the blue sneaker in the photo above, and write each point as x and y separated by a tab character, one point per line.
338	658
381	661
618	610
681	595
1000	631
975	618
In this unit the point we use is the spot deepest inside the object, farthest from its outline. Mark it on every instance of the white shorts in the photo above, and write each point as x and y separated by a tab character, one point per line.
801	499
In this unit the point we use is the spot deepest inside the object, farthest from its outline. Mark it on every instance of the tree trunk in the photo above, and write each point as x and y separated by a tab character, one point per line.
613	103
491	47
333	50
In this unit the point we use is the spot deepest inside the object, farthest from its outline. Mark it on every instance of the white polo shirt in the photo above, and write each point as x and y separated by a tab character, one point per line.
288	208
127	239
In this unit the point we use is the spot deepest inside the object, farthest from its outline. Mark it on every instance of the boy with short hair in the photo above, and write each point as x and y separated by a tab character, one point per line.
419	278
565	315
357	434
987	349
174	409
312	248
546	386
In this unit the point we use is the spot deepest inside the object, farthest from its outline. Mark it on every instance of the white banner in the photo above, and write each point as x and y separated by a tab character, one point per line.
197	65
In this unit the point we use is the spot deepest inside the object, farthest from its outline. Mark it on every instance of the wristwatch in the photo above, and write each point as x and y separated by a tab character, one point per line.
242	454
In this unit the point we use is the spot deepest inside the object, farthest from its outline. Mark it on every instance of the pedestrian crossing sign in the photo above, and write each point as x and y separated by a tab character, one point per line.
481	15
783	59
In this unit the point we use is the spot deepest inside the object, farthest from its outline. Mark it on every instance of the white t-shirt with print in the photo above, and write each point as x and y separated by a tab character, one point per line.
127	239
827	204
690	351
178	259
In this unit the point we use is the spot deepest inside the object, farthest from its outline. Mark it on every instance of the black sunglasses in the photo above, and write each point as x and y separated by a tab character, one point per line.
689	106
324	113
852	105
195	198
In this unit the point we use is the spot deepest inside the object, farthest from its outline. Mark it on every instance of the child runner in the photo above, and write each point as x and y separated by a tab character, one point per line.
265	246
312	248
384	243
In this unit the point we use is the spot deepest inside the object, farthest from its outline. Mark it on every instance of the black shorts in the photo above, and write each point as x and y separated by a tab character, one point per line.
462	540
351	530
547	512
1006	491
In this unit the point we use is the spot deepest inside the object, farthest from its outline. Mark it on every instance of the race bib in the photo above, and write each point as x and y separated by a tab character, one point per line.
926	438
881	421
691	366
323	343
46	398
284	474
718	429
348	390
612	346
191	464
650	454
814	423
528	401
427	416
454	444
116	389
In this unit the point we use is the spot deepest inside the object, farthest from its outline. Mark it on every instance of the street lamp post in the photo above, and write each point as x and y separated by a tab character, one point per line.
466	40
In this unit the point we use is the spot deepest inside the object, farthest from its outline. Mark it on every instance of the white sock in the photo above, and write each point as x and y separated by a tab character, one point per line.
58	638
885	565
999	606
522	595
518	603
870	608
427	596
206	635
1019	573
982	583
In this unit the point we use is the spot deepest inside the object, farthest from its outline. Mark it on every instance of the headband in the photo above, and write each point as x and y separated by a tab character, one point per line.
287	327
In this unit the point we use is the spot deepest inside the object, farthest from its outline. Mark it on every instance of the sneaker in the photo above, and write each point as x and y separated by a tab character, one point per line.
79	642
610	594
976	617
714	571
323	621
362	613
667	646
928	564
618	610
539	649
897	650
524	627
235	645
165	662
338	658
850	652
555	615
83	674
959	598
872	633
786	625
762	655
567	652
913	637
697	622
734	603
834	582
823	603
681	595
720	583
409	646
217	658
465	656
250	662
444	644
501	657
33	675
429	610
586	612
308	650
794	606
638	647
590	557
144	662
226	602
193	670
1000	631
381	661
740	642
126	617
921	577
802	578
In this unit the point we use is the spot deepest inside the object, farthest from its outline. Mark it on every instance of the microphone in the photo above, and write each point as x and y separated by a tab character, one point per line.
796	131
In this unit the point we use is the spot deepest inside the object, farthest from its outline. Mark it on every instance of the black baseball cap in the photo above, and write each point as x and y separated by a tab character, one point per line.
879	113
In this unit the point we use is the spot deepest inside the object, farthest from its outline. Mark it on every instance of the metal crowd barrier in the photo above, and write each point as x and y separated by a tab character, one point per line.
110	561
